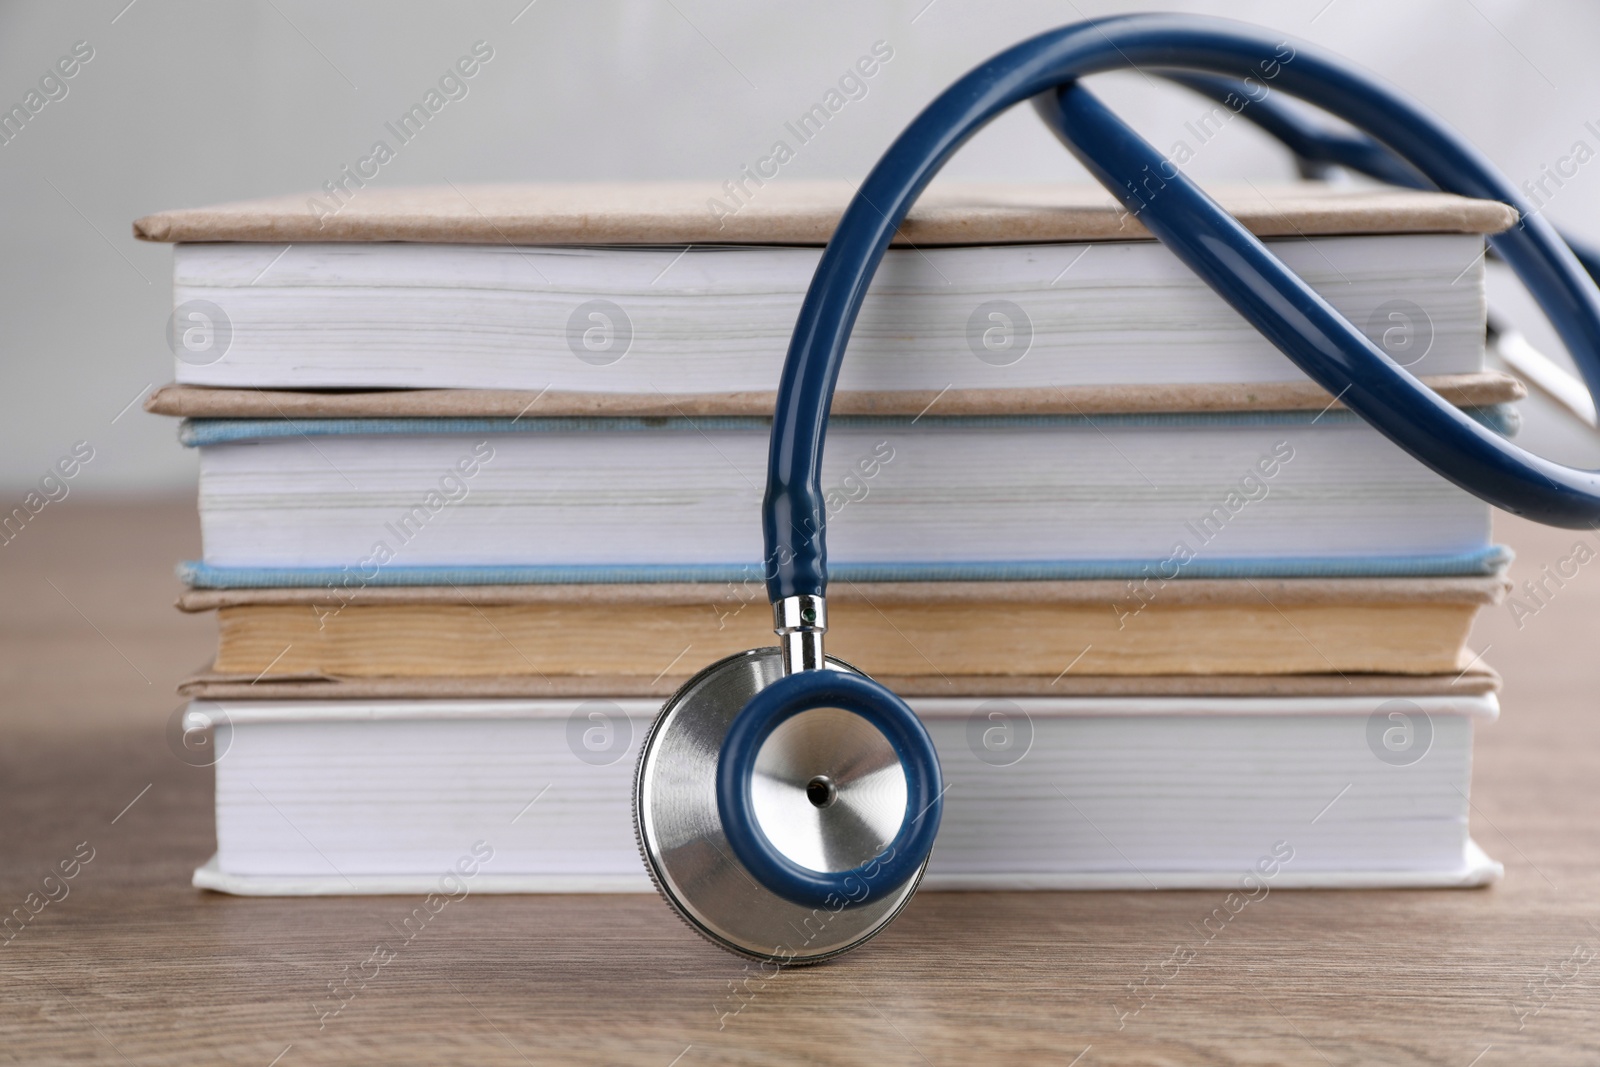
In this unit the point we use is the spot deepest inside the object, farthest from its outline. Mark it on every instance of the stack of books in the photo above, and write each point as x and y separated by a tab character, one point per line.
479	481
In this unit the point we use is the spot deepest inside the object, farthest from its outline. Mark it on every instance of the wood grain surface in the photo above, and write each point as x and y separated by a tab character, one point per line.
132	966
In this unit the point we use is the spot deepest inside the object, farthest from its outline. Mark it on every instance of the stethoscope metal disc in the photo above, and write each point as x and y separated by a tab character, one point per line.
828	791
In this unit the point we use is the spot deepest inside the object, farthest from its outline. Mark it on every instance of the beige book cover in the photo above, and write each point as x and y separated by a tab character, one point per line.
202	402
211	684
1406	626
789	212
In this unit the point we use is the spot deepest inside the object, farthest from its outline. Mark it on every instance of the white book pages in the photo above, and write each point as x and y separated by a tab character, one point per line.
718	319
1043	792
898	492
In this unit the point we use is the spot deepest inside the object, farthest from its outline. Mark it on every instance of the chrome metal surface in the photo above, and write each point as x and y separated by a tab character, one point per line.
800	622
800	613
861	780
680	833
802	651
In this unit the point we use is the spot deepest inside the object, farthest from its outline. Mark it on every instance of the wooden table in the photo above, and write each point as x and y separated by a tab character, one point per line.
134	966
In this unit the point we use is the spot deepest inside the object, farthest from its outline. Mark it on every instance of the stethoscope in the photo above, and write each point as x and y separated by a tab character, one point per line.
786	803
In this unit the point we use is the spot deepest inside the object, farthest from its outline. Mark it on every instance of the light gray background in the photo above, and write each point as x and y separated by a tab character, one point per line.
187	103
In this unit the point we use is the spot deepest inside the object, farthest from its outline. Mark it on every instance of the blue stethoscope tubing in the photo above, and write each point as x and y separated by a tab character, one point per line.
1318	149
1401	143
1227	257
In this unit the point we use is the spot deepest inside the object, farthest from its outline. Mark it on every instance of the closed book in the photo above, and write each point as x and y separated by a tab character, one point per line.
943	629
1132	792
640	291
408	501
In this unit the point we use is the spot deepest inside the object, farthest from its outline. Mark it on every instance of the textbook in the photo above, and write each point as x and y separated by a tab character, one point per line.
1129	792
638	290
453	501
966	629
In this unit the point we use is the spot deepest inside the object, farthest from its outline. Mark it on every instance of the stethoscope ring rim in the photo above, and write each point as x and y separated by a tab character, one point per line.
899	858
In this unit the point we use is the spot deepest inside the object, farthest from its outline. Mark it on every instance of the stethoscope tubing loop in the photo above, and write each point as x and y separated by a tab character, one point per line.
1235	263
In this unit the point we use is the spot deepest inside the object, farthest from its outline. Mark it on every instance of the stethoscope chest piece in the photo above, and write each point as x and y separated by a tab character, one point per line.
824	790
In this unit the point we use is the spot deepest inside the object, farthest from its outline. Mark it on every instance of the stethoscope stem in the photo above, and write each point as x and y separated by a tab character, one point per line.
800	621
